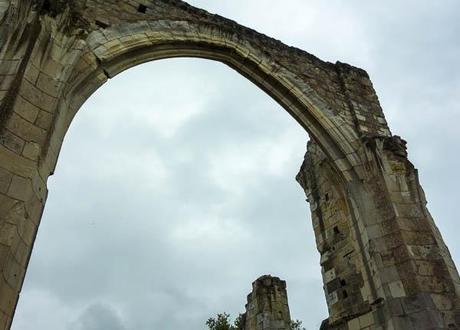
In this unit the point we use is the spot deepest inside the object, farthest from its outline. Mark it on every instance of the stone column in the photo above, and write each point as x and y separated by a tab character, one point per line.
34	55
267	306
384	263
22	191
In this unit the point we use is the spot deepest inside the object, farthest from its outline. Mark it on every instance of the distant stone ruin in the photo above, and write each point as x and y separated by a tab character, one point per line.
267	305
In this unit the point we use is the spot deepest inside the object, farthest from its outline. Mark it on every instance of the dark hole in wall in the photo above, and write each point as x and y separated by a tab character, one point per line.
52	8
336	230
326	197
102	24
46	7
345	293
343	282
142	9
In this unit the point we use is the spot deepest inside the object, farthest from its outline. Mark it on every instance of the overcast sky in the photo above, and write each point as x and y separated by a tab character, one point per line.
175	186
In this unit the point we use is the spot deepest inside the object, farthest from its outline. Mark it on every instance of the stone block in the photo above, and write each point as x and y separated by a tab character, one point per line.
48	85
389	274
8	297
329	276
8	234
44	120
427	319
20	188
400	323
32	73
21	253
31	150
442	302
366	320
354	324
332	298
27	230
35	96
13	272
397	289
426	268
15	163
417	303
34	208
5	321
26	130
12	142
5	180
26	110
396	307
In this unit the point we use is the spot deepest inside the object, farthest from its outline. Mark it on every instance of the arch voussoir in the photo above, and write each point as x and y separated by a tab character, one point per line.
368	210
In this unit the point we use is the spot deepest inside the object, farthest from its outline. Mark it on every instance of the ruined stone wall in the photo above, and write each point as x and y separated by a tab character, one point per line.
267	306
346	283
386	266
384	262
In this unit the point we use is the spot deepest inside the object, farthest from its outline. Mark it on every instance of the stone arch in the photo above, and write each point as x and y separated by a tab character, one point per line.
55	53
117	48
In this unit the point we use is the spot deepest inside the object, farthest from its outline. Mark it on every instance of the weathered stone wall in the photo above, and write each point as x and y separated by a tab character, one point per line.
384	262
267	306
346	280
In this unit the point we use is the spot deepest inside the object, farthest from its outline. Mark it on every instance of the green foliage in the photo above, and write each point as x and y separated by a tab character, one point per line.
296	325
238	324
222	322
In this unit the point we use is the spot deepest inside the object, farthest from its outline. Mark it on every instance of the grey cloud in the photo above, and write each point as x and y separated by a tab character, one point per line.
98	317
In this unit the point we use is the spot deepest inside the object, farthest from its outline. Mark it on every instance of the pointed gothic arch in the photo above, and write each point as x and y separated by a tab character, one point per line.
54	54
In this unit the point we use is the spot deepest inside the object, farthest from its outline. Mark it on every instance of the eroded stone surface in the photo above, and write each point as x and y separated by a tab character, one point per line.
267	306
385	265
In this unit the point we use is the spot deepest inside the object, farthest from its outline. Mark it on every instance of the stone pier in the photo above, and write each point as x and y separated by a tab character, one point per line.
267	306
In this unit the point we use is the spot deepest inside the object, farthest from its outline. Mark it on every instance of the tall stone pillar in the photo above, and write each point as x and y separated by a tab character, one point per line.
267	307
384	263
